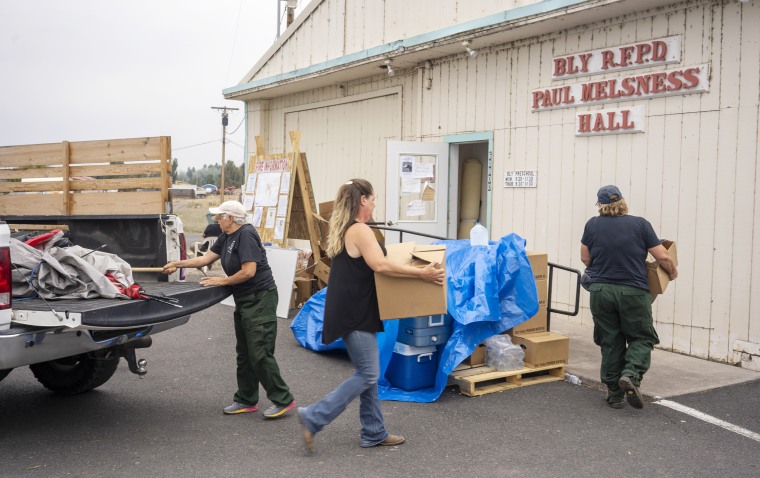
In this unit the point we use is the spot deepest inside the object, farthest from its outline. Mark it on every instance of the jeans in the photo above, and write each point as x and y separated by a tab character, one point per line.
363	352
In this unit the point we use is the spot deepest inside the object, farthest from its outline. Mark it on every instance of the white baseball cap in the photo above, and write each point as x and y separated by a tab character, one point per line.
232	208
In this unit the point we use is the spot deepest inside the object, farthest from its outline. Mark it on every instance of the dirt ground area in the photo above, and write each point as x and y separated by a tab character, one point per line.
193	211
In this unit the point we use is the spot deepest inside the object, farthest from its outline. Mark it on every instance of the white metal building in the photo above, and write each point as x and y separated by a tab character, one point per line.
562	97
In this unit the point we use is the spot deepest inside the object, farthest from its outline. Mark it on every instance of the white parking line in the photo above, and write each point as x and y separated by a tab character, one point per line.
709	419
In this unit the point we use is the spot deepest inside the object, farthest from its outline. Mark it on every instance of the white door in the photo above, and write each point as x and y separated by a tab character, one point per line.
417	187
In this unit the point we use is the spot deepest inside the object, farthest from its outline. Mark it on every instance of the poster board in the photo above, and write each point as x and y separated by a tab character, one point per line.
278	195
268	194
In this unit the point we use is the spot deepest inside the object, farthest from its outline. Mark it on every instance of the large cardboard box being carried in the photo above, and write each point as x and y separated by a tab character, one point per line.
545	348
657	278
400	298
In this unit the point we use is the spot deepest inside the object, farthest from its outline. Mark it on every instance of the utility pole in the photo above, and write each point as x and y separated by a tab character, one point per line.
224	142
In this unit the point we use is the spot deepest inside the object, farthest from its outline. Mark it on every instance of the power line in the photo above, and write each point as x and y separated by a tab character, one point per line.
195	145
238	126
234	40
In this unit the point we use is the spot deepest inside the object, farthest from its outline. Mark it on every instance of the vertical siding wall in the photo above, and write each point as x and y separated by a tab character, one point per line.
340	27
693	174
343	133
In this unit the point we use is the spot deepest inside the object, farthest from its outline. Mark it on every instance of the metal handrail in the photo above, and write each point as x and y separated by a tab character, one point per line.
376	225
549	308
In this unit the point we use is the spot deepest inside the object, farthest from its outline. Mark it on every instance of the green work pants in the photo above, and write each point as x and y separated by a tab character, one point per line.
624	330
256	332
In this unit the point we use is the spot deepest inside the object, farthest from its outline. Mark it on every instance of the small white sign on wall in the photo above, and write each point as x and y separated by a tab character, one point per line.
520	179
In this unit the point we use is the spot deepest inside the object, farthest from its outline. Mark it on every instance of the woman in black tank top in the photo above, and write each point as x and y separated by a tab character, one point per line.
351	313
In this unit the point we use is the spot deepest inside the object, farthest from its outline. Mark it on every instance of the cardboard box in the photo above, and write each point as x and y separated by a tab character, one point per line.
542	287
304	287
323	223
539	262
535	324
400	298
322	269
545	348
657	278
478	356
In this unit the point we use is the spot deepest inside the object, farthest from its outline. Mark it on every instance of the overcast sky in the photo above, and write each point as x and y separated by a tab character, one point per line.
79	70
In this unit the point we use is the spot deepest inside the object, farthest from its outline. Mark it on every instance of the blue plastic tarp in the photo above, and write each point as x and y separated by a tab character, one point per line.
489	290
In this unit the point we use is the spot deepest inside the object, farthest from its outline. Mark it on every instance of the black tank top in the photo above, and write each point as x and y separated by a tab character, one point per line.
351	302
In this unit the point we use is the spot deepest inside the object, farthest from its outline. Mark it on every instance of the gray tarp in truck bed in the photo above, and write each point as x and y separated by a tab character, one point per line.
119	313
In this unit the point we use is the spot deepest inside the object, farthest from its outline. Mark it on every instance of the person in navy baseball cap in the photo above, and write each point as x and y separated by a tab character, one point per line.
608	194
614	248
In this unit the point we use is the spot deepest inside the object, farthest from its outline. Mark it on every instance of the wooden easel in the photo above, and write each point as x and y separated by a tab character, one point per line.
299	222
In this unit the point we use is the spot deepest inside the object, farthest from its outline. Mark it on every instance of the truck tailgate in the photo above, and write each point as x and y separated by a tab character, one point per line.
118	313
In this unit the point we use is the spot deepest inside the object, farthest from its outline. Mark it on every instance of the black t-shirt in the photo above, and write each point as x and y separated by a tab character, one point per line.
351	302
618	247
212	230
244	245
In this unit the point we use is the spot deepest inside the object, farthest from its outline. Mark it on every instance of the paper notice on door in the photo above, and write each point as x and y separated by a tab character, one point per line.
410	185
423	171
415	208
279	228
407	166
257	213
248	202
428	193
270	218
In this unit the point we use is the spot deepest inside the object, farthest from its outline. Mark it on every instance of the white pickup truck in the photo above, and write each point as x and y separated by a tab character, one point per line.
75	345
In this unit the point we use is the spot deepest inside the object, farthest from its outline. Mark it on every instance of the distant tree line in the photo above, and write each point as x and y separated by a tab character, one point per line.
234	175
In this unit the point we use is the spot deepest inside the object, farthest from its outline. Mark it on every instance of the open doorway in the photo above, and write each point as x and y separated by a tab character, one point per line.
470	169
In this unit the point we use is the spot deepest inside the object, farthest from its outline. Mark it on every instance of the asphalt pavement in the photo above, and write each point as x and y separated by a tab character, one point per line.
170	424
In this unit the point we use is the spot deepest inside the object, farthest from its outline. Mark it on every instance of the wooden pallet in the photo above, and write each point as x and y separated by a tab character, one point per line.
476	381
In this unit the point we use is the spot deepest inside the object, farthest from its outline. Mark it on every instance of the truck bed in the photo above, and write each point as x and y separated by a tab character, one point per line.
118	313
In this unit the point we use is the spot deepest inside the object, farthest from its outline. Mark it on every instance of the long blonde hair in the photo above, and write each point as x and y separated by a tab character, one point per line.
346	209
617	208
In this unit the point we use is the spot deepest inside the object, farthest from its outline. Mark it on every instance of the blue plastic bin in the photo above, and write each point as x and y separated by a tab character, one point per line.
425	331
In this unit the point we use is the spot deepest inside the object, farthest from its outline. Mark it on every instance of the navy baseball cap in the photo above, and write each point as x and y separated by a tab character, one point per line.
608	195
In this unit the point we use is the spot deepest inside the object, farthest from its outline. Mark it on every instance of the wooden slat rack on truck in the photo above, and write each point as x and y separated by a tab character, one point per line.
126	176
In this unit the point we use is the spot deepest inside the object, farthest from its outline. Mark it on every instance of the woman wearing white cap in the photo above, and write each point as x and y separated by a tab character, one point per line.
244	260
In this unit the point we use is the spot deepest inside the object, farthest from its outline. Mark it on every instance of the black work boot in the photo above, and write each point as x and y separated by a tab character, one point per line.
632	394
615	401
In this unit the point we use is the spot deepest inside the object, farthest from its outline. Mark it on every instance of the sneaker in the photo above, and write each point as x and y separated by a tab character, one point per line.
632	394
240	408
392	440
308	437
276	411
